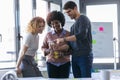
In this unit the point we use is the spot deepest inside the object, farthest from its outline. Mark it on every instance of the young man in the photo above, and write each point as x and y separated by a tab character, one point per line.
80	41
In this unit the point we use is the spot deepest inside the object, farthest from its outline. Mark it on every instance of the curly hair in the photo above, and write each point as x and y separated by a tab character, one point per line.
55	15
34	23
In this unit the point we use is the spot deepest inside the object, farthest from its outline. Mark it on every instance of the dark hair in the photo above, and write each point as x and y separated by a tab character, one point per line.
55	15
69	5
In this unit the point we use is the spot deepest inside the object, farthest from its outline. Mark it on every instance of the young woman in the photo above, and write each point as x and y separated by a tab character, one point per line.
58	57
26	63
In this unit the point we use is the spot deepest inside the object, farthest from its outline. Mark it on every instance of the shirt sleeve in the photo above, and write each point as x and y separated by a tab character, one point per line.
83	26
27	39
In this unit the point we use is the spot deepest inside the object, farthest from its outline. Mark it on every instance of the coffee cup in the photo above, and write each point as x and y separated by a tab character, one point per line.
105	75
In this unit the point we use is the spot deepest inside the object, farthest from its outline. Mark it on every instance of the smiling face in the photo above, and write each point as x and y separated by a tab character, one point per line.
56	25
36	25
40	27
71	13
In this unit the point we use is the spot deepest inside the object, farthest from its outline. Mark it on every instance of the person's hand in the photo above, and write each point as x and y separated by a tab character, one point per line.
47	51
51	44
55	47
59	40
18	70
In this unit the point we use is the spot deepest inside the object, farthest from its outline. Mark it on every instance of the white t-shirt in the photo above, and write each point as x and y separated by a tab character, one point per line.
32	42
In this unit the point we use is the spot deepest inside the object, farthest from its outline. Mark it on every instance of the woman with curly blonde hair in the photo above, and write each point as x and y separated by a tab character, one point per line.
26	63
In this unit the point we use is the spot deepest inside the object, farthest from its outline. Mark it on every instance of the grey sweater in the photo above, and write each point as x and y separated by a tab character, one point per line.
82	30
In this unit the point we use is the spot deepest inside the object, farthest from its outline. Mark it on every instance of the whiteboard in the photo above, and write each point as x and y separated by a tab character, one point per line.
102	34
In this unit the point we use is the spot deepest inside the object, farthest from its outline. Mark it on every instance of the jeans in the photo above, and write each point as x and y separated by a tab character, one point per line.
82	66
61	71
29	67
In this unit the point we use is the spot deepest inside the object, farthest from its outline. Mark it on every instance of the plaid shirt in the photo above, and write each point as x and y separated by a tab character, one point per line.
51	36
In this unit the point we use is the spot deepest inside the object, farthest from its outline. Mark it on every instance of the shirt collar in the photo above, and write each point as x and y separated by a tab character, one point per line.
63	32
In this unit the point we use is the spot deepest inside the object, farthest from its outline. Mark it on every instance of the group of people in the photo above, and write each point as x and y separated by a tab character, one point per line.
58	45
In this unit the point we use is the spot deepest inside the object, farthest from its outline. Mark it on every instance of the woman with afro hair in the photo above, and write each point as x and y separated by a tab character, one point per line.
57	55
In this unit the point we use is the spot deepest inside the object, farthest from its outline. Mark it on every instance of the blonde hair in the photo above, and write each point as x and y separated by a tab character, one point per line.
34	23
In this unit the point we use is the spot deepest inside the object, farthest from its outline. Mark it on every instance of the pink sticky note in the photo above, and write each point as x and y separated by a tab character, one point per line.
101	28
